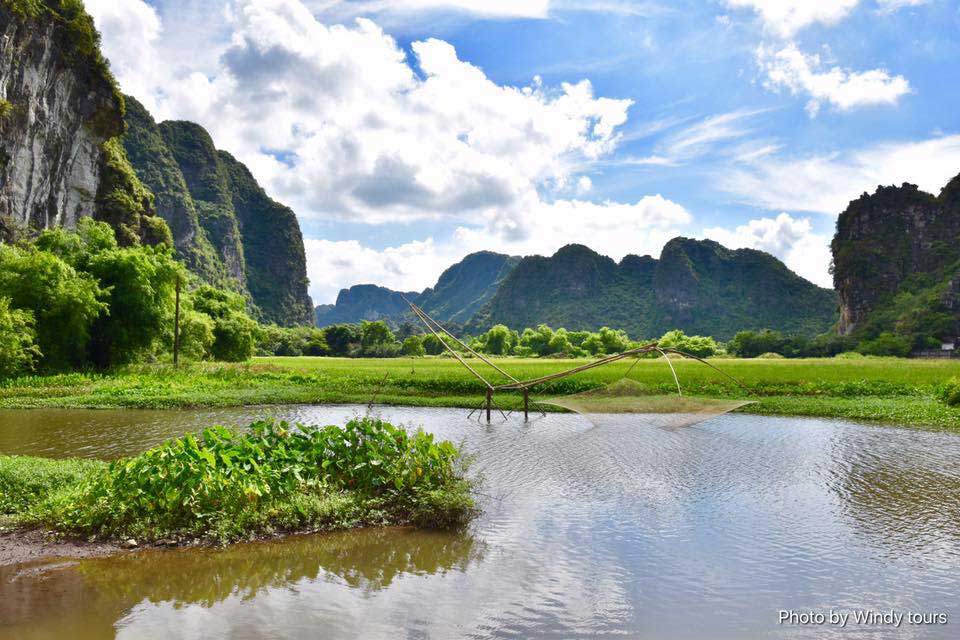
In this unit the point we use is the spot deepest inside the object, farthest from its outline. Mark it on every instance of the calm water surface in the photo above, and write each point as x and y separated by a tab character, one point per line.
623	528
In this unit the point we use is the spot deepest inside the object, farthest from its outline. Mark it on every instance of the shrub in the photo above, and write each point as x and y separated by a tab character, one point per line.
949	392
413	346
886	344
18	353
771	356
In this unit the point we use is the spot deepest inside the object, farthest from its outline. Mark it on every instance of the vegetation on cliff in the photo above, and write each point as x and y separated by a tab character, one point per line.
225	485
225	226
698	286
896	260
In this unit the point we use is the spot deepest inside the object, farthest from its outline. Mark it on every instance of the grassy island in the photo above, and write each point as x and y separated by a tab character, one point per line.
227	485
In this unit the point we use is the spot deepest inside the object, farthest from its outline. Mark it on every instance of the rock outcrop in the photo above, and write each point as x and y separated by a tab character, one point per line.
60	118
896	257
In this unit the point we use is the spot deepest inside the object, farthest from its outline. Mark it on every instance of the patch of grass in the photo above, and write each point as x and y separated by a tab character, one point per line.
227	485
27	481
830	386
950	392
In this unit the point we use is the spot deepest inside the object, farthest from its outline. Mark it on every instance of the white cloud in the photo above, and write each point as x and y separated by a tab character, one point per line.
894	5
827	183
786	17
130	31
613	229
845	89
507	9
792	240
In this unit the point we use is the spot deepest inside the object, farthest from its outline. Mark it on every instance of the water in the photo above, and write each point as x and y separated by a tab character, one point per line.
620	530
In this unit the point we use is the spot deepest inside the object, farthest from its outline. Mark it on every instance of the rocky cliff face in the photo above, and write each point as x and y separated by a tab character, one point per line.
224	225
60	116
697	286
896	260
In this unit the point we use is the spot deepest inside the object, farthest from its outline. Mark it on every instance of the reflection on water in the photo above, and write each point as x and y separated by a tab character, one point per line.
622	529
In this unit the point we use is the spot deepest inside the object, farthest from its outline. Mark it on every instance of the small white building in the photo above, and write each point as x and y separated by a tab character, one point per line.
948	345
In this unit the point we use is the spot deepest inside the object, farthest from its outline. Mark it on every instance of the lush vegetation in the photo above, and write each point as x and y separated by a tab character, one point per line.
950	392
697	285
225	485
893	390
73	300
225	226
896	256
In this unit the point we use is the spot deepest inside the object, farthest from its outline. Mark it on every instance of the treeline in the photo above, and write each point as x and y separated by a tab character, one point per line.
75	300
377	340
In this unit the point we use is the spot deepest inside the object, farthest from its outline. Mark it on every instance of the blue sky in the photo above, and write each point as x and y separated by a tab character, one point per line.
406	134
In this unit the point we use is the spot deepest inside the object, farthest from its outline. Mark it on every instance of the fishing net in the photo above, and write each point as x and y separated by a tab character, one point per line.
628	400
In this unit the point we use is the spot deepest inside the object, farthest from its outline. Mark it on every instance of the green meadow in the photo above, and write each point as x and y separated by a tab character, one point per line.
892	390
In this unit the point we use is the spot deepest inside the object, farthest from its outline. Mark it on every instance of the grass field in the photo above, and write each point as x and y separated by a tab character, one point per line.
880	389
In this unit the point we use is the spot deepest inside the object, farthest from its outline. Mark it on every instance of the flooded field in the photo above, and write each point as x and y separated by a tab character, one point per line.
620	529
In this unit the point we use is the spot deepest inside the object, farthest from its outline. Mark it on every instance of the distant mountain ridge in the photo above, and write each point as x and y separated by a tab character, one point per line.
698	286
364	302
460	291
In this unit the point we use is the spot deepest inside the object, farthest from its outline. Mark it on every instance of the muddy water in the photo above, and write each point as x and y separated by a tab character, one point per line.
625	529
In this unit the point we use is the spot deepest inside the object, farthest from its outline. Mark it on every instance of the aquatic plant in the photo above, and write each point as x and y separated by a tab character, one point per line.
275	476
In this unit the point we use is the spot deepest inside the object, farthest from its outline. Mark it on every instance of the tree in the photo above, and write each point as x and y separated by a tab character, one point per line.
140	283
234	337
700	346
63	302
196	335
342	339
432	345
413	346
18	353
377	340
886	344
499	340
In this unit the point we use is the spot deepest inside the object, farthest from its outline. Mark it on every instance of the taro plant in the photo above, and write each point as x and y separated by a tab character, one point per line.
196	484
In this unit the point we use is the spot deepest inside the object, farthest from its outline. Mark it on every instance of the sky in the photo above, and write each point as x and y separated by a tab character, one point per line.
406	134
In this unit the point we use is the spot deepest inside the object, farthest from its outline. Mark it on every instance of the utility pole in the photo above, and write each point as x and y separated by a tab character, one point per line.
176	328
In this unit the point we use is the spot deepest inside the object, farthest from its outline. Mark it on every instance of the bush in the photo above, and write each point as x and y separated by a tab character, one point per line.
234	338
771	356
222	481
700	346
413	346
18	353
949	392
886	344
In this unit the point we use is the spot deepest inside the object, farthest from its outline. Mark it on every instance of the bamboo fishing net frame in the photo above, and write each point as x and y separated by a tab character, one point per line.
525	386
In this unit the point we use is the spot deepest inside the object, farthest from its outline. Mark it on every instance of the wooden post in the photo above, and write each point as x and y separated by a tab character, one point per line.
176	328
489	403
526	404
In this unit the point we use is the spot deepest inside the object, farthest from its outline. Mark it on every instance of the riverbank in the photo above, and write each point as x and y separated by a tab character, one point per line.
888	390
227	485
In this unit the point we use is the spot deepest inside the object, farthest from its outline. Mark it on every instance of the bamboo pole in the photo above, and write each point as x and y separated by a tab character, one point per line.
455	354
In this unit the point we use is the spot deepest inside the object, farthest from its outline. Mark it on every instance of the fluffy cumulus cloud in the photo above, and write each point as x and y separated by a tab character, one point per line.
790	239
803	74
786	17
827	183
341	123
614	229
